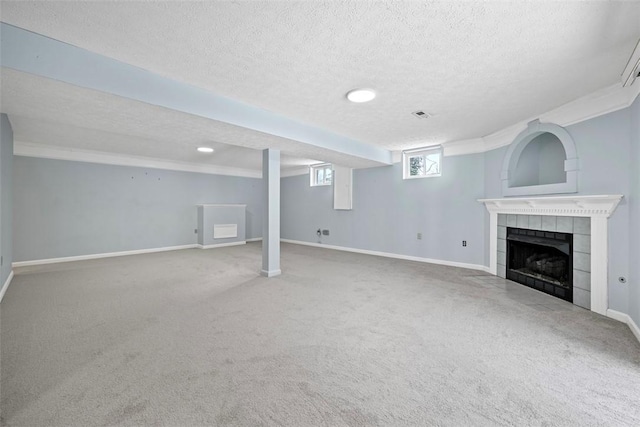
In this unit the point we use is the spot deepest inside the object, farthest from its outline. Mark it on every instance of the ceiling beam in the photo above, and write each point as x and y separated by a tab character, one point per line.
33	53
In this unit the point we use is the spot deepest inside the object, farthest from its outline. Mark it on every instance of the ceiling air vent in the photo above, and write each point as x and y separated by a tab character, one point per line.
421	114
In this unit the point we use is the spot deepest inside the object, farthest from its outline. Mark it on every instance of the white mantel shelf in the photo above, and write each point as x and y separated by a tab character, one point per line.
587	206
599	208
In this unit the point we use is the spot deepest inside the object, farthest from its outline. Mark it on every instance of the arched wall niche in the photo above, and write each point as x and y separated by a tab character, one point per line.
542	159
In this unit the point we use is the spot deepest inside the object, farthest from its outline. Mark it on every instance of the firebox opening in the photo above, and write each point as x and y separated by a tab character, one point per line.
541	260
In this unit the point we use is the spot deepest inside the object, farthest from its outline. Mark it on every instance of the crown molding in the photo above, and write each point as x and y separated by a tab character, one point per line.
601	102
302	170
87	156
465	146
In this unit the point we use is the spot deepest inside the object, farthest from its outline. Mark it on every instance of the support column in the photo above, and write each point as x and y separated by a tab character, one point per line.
271	213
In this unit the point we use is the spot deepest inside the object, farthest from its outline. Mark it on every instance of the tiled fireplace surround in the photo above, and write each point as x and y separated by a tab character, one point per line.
586	217
580	227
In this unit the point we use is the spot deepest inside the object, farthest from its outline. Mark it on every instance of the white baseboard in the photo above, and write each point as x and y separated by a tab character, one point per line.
391	255
124	253
625	318
96	256
6	285
221	245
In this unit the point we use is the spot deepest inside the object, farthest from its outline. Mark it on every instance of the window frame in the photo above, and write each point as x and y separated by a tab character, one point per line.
313	176
423	152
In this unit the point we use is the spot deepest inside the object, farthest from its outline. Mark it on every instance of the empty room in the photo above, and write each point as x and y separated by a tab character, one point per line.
319	213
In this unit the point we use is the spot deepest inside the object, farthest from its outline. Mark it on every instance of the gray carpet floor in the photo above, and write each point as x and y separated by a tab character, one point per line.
197	337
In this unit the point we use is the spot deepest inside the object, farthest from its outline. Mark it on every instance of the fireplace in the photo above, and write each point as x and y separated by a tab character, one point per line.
590	221
542	260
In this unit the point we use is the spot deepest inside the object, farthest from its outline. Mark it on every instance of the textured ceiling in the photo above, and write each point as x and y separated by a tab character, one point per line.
49	112
477	66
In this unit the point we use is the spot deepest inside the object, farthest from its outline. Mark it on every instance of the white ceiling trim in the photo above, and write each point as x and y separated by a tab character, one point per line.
604	101
87	156
302	170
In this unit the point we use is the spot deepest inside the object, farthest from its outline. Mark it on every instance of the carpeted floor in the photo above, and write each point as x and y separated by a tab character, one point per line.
196	337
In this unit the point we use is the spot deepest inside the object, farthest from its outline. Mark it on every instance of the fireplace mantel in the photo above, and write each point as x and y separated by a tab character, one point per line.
588	206
597	207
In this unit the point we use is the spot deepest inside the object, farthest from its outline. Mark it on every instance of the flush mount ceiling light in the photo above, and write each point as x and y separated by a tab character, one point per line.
205	149
361	95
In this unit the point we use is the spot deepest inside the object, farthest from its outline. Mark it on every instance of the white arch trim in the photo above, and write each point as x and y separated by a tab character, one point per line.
534	129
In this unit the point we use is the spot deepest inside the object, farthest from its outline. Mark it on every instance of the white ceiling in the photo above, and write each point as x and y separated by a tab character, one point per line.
477	66
49	112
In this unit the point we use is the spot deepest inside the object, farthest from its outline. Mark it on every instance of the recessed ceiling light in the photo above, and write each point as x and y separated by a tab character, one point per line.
205	149
361	95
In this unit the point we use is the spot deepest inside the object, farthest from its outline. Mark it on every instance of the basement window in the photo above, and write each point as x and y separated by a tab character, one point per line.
422	162
320	174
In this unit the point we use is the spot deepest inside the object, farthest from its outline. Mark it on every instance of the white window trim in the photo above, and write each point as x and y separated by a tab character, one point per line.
407	154
312	175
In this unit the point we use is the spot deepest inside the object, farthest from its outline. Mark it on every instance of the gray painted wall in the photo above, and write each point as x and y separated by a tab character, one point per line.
6	189
388	212
209	216
634	216
527	170
551	160
541	162
66	208
603	145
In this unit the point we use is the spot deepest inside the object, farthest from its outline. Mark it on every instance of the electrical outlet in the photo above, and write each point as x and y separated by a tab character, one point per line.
325	232
319	232
464	243
419	236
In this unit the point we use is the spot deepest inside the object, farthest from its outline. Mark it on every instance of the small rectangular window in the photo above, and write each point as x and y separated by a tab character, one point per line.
422	162
320	174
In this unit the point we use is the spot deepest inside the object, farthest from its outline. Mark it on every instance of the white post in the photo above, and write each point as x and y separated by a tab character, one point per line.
271	213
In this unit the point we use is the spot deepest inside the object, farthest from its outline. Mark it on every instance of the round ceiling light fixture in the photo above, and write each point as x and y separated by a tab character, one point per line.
361	95
205	149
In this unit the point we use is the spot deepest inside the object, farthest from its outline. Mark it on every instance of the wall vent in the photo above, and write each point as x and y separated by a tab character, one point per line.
421	114
225	231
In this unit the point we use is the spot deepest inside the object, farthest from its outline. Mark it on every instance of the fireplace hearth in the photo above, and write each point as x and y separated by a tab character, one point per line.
541	260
